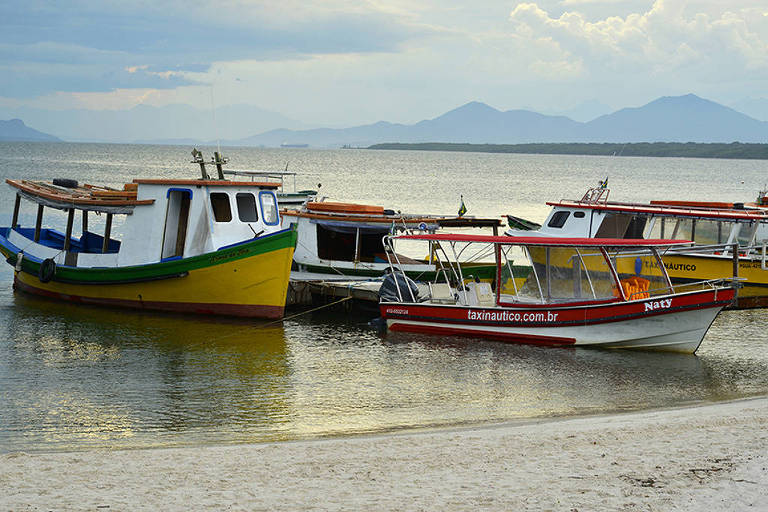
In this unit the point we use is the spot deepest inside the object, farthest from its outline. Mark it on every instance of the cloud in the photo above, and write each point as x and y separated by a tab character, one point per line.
662	40
101	41
348	62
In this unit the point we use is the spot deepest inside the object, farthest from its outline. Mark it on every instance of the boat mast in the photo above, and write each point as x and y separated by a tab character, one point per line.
197	158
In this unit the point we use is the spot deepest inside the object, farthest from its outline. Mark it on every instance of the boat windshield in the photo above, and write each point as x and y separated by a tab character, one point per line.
701	231
573	274
546	274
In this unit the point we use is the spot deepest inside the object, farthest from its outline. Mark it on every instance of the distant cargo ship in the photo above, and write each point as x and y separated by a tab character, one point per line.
285	145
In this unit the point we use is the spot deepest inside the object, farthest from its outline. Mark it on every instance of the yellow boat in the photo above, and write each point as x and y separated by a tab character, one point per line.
204	246
716	230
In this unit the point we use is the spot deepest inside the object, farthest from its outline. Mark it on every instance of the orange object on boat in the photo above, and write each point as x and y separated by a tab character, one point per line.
693	204
363	209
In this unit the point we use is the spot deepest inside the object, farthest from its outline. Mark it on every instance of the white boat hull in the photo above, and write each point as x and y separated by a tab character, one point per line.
679	326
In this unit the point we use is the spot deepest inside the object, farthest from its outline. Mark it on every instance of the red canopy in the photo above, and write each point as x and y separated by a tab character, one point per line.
545	240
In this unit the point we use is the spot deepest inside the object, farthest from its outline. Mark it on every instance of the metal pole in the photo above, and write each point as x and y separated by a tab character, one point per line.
735	249
107	233
85	221
612	269
357	245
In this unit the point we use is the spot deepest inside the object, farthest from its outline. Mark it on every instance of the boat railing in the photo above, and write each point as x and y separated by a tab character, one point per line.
275	175
710	284
597	195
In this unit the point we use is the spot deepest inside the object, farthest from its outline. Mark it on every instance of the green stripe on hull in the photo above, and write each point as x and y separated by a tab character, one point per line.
166	269
484	272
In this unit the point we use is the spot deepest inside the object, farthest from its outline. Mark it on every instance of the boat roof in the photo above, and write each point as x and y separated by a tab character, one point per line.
81	197
267	174
546	240
720	211
362	213
209	183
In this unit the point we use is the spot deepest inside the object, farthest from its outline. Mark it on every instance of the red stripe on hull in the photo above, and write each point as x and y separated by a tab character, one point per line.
242	310
508	337
557	316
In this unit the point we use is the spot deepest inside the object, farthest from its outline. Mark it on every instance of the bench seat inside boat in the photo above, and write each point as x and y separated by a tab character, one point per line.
88	243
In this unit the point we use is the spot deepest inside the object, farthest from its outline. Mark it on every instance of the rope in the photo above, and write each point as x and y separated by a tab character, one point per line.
305	312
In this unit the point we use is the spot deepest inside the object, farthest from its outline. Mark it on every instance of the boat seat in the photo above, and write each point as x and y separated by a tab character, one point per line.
485	295
441	293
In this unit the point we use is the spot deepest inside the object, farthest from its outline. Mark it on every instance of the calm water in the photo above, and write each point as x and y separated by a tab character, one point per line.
75	377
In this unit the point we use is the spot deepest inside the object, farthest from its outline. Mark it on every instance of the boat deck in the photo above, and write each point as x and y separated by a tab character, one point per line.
84	197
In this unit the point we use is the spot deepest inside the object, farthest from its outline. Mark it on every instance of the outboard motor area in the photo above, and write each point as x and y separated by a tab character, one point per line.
398	287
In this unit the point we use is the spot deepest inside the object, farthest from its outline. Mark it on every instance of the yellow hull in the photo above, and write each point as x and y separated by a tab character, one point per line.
255	286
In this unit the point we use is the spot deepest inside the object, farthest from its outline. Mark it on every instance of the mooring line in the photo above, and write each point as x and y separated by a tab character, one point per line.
307	311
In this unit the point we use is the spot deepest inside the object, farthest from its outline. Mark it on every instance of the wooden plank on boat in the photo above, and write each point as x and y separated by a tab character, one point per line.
345	208
113	194
81	198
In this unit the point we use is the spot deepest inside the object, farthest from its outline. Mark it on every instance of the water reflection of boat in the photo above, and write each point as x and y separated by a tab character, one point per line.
107	377
574	295
205	246
72	324
710	225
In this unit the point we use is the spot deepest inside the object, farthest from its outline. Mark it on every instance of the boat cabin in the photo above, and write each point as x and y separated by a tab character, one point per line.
347	238
162	219
700	222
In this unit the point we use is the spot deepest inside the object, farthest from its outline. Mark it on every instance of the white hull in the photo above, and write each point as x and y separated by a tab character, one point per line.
674	332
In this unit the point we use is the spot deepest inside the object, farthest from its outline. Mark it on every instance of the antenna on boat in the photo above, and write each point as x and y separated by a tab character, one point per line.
215	127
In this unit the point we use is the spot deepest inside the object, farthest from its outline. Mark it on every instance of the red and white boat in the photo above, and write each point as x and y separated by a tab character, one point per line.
612	293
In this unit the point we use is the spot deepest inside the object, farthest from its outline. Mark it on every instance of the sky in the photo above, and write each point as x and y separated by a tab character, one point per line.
343	63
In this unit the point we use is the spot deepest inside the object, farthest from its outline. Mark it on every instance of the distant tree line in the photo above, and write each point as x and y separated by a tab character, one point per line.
668	149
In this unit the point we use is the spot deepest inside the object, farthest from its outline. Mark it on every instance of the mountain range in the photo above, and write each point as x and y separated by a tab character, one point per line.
170	124
687	118
16	130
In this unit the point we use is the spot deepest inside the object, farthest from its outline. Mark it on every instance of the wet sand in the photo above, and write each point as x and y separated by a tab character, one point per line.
709	457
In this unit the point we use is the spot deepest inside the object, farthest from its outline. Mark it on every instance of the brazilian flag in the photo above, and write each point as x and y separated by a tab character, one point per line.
462	208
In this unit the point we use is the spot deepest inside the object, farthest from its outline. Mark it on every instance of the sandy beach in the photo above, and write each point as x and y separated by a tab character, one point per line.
710	457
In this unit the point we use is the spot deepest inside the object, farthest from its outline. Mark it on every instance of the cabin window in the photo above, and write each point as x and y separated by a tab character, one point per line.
659	227
220	205
636	227
269	208
709	232
614	225
565	274
746	233
558	219
684	230
246	207
347	243
579	215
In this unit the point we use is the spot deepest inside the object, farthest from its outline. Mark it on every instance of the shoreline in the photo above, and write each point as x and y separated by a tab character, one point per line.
667	459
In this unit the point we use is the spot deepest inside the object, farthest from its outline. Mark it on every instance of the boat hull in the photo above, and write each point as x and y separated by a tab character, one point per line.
672	323
422	271
248	279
